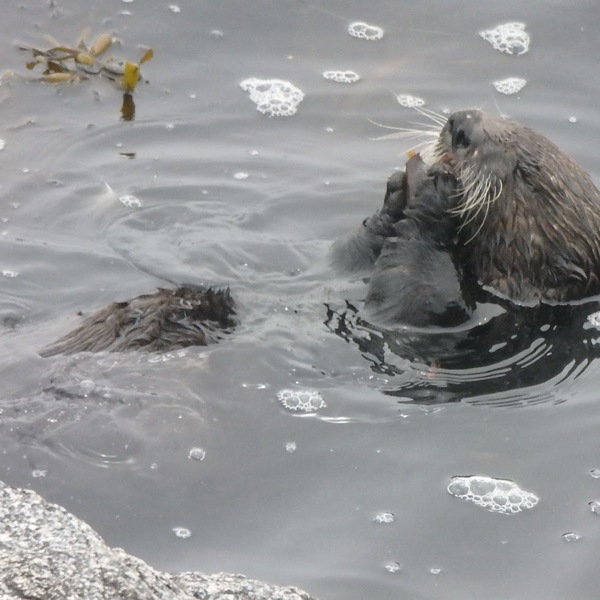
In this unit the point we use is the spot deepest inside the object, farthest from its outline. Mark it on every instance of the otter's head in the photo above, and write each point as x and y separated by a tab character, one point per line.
479	147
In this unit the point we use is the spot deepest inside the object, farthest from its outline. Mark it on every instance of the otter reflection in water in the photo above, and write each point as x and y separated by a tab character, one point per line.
164	320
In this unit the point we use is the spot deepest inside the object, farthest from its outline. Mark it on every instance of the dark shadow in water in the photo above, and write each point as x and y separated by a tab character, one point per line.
521	357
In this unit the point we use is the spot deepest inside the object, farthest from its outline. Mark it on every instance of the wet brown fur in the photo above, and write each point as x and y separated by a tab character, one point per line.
535	235
162	321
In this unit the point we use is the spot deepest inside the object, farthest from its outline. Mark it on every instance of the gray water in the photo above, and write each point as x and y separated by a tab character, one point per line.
280	496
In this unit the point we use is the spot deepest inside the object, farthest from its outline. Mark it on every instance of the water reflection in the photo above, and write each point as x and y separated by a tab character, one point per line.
520	357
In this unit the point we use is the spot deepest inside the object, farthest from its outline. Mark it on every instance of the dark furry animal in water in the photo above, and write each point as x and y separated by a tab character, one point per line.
408	247
529	216
162	321
502	211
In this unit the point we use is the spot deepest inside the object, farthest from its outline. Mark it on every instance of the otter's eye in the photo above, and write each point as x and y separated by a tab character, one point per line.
460	139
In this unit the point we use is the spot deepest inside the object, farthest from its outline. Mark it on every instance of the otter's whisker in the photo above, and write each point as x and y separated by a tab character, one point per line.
437	118
408	134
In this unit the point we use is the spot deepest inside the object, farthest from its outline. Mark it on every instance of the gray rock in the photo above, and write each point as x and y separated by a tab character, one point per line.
46	553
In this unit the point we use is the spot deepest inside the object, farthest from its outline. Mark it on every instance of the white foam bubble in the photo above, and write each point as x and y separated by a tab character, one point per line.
392	567
383	518
342	76
182	532
273	97
197	453
130	201
595	506
510	85
594	321
409	101
364	31
510	38
496	495
306	400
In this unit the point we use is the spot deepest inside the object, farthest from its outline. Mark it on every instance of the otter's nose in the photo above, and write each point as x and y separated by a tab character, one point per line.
461	128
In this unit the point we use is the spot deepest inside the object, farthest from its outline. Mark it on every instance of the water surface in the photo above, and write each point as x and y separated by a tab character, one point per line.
230	196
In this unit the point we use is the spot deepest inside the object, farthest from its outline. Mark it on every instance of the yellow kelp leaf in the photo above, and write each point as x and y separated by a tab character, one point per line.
147	56
131	75
103	42
60	77
84	59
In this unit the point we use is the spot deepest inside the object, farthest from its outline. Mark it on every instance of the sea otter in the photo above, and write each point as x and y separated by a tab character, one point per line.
517	217
162	321
529	215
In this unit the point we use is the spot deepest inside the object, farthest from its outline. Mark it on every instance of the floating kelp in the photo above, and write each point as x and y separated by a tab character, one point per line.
65	64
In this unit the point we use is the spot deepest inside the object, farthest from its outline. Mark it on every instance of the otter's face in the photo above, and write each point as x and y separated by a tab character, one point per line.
462	134
476	147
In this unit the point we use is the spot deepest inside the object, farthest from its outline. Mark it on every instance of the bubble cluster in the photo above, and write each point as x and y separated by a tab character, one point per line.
307	400
364	31
510	85
594	321
595	506
409	101
510	38
342	76
497	495
273	97
383	518
182	532
130	201
392	567
197	453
